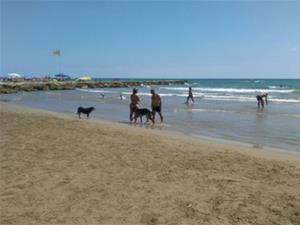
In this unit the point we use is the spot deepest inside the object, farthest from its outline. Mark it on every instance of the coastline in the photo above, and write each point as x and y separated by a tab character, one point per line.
243	147
29	86
239	145
223	109
61	170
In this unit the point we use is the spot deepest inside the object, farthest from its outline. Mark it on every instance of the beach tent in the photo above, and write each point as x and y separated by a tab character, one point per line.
14	76
85	78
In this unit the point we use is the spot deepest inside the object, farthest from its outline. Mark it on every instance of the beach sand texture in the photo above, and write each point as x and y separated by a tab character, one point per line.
57	170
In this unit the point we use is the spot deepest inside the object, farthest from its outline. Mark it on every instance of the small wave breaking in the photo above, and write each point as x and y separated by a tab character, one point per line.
230	90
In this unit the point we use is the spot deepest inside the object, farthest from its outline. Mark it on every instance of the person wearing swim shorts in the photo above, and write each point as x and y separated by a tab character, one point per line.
156	104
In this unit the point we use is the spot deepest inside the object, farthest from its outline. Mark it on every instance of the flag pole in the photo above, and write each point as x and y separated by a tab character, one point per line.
57	53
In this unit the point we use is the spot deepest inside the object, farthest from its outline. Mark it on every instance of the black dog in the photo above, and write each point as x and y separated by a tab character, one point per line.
86	111
143	112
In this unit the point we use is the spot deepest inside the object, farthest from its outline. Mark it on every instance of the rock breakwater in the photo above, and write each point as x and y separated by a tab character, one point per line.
13	87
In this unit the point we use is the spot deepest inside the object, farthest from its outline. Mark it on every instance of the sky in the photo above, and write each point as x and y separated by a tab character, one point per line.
152	39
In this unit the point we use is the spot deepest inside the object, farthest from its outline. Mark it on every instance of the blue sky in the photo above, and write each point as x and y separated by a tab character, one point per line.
145	39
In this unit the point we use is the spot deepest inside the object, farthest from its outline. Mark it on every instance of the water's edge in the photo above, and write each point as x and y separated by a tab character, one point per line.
225	141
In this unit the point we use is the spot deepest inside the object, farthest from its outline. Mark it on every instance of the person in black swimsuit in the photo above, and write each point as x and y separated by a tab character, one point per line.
190	96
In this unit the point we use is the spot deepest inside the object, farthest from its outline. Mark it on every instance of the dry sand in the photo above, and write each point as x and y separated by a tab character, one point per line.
57	170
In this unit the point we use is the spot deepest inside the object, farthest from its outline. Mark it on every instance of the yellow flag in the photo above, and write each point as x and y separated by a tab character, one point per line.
56	52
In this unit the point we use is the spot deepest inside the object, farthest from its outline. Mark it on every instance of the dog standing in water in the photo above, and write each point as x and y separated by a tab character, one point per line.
86	111
143	112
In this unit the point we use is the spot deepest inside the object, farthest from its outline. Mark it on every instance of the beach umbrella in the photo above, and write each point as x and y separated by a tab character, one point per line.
14	75
85	78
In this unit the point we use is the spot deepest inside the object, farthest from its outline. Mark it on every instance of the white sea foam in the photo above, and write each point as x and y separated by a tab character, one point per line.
208	110
229	98
234	90
53	93
258	81
207	96
229	111
219	97
96	91
199	110
166	94
139	93
247	99
290	115
285	100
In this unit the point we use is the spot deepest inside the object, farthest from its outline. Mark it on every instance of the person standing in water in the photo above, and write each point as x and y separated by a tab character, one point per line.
190	96
260	100
156	104
134	105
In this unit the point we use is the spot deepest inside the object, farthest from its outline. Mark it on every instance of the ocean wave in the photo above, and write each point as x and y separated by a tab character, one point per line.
148	94
290	115
234	90
233	111
199	110
201	95
285	100
209	110
280	87
97	91
258	81
248	99
229	98
219	97
166	94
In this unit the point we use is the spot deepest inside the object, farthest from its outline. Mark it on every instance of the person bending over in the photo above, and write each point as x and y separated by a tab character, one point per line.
260	99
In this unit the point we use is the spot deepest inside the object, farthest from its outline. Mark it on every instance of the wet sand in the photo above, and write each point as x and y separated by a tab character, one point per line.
61	170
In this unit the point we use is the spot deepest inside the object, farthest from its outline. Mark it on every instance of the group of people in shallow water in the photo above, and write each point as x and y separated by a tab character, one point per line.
260	98
156	102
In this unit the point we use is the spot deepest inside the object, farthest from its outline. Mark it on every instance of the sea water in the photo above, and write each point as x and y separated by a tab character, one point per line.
223	108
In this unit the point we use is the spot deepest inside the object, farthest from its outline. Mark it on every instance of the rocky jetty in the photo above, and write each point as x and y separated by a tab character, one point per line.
13	87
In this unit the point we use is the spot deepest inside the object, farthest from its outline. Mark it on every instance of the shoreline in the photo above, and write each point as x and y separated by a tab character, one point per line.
245	147
223	115
60	170
230	142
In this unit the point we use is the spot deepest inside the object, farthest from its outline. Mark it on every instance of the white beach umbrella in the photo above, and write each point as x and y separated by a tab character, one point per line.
14	75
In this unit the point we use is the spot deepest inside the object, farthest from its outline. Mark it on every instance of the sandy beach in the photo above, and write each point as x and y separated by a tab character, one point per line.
62	170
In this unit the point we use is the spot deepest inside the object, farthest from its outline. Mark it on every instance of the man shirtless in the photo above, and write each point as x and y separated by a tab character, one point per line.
135	100
260	100
156	104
